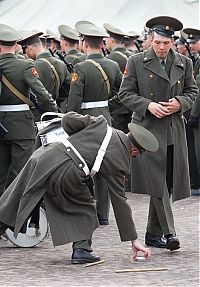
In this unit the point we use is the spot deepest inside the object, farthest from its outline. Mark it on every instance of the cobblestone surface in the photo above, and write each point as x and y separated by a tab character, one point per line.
46	266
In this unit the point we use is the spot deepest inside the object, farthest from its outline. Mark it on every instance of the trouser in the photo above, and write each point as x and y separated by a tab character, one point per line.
193	135
102	197
83	244
13	156
160	218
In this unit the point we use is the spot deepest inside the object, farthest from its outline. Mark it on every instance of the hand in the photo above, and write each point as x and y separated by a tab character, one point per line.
173	106
158	110
136	246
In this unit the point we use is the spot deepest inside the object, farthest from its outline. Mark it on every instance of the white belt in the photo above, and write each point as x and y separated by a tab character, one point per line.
90	105
101	152
59	135
14	108
69	145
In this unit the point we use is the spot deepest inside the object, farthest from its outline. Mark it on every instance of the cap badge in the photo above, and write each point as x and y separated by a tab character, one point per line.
167	27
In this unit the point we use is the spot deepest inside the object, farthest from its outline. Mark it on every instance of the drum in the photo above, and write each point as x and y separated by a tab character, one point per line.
33	236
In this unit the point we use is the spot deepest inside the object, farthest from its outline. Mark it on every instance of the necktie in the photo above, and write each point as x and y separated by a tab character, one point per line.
163	64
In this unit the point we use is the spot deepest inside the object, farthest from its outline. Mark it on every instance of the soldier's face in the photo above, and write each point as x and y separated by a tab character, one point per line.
195	46
161	45
134	151
182	49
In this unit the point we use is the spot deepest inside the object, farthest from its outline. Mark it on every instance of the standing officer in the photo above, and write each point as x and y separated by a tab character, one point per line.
52	71
193	38
94	81
17	77
159	87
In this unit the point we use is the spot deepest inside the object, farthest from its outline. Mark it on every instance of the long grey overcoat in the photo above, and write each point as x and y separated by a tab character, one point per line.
54	172
146	81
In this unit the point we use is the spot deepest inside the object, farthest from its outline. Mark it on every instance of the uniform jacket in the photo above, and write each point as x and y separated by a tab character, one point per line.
89	85
120	55
196	108
73	56
146	81
56	173
22	75
46	74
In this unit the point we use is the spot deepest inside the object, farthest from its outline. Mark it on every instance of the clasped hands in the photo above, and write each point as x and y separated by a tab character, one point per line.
163	109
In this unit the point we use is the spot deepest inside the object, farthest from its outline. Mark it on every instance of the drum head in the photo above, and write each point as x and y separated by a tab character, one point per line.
32	237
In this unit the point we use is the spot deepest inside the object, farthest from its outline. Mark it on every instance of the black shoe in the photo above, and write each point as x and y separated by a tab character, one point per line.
82	256
172	242
155	240
103	221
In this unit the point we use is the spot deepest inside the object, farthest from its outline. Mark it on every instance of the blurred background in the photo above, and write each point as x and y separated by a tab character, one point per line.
46	15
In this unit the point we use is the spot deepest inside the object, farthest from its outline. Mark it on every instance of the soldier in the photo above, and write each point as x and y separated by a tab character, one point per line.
18	76
159	87
115	43
193	38
181	44
94	81
121	115
130	42
59	171
52	71
147	38
69	42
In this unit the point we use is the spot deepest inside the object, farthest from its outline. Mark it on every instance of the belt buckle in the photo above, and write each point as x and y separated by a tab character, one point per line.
44	139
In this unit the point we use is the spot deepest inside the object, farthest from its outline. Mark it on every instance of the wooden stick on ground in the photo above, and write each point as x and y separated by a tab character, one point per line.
141	270
93	263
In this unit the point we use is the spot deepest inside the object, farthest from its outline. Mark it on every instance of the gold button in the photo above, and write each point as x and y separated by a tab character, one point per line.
151	94
68	149
80	165
145	58
178	82
151	76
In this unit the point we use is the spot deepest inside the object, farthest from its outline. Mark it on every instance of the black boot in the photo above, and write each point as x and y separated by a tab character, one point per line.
172	242
82	256
155	240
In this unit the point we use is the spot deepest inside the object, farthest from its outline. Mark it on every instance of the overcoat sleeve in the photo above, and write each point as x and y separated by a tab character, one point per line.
122	210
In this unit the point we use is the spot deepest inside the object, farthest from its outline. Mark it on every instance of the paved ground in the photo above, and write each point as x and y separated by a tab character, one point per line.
45	265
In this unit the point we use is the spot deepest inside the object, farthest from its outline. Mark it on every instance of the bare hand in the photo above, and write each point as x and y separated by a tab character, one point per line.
136	246
173	106
158	110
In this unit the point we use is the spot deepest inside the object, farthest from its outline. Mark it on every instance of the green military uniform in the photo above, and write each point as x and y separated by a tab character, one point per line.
146	81
193	36
121	115
89	95
15	115
58	173
52	71
71	55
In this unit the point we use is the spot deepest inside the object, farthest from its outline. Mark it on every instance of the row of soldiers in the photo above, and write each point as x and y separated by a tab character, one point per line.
81	72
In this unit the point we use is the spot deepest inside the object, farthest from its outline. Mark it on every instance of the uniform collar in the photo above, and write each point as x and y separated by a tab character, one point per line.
43	54
8	55
95	56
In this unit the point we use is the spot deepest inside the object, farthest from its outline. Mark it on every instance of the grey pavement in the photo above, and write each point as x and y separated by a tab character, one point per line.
46	266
